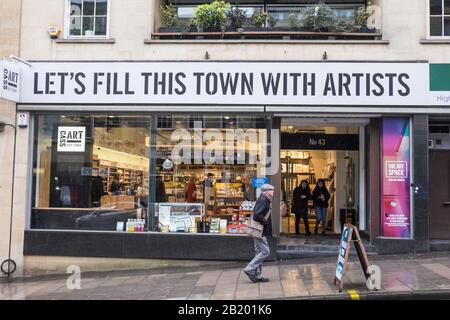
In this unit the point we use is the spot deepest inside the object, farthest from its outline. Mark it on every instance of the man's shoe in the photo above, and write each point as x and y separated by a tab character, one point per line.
262	279
251	276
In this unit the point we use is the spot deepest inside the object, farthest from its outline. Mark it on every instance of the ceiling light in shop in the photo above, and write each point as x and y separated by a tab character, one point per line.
226	118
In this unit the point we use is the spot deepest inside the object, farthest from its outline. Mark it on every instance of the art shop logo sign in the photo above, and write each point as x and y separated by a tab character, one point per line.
71	139
10	80
396	170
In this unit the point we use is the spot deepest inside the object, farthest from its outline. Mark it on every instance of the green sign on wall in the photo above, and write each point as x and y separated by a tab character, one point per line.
440	83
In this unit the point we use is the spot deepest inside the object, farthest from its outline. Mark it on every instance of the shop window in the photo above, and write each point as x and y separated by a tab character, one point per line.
95	172
90	172
87	18
439	18
205	167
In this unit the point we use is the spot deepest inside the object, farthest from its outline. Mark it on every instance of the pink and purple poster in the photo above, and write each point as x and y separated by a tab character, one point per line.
395	189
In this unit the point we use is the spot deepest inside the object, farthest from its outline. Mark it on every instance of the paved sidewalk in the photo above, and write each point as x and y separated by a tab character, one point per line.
312	278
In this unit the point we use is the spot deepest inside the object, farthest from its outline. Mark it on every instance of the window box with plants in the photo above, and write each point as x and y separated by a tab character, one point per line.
219	20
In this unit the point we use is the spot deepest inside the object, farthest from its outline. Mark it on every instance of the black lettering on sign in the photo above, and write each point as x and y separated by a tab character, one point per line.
401	80
329	85
127	84
271	83
182	87
380	90
82	87
36	84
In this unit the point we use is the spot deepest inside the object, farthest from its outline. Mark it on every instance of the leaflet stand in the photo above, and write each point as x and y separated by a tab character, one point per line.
350	234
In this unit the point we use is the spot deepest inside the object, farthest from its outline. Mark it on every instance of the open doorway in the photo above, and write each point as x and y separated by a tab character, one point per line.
314	152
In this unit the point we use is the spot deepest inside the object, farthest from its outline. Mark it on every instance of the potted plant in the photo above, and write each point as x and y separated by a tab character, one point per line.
211	17
319	17
293	20
362	15
235	19
345	26
169	19
271	21
258	22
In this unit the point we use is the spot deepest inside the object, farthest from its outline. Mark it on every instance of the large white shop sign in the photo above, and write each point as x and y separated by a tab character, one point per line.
227	83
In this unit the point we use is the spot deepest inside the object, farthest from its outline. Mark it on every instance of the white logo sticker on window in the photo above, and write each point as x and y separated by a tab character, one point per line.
71	139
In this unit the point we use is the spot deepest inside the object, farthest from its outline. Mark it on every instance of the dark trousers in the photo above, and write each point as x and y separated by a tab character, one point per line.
303	214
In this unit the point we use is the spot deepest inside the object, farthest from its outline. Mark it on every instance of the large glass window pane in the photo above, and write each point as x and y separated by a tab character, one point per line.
447	26
88	26
436	26
75	26
205	166
346	14
88	7
100	26
75	7
90	173
435	7
101	7
286	16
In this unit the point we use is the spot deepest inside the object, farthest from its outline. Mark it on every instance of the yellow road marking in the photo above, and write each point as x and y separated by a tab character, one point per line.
353	294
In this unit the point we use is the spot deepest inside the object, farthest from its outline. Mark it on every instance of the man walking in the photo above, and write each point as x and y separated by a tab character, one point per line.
262	214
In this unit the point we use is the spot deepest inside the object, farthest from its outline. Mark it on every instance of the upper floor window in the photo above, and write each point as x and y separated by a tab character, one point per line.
439	18
87	18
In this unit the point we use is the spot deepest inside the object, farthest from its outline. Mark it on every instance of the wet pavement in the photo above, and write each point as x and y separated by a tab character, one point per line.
422	275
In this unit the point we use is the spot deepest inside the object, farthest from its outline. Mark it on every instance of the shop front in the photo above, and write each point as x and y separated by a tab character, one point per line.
166	159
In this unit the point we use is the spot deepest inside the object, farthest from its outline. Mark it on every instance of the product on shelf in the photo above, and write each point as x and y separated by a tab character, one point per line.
135	225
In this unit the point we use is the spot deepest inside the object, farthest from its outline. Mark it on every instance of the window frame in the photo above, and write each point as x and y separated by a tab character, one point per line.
442	16
67	34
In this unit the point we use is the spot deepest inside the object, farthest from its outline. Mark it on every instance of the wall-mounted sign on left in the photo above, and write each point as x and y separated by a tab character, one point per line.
10	81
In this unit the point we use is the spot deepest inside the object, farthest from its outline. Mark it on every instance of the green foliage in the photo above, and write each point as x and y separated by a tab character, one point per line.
271	21
362	15
168	15
236	18
259	19
211	17
345	26
293	20
320	17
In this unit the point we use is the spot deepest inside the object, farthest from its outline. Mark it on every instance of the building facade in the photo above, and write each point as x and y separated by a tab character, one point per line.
146	139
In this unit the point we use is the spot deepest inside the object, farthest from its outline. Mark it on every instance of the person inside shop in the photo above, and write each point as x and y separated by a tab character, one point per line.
300	199
116	186
320	202
249	190
191	190
97	190
262	212
208	187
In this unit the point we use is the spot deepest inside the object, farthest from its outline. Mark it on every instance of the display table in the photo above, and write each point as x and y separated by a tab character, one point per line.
119	202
